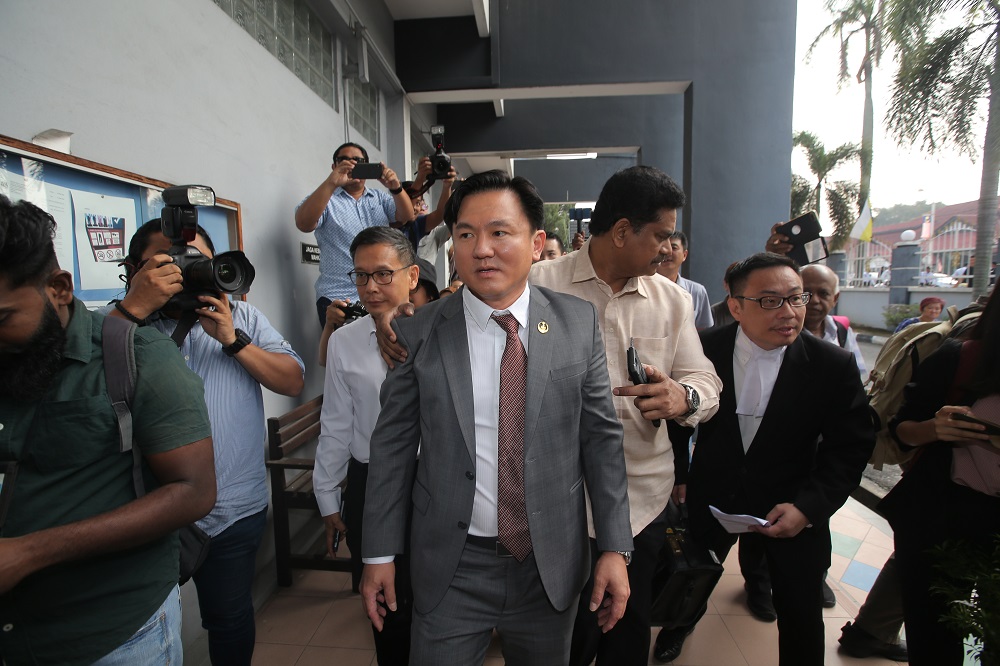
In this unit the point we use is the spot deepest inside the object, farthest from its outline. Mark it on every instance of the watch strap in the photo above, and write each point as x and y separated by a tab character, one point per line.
693	400
242	340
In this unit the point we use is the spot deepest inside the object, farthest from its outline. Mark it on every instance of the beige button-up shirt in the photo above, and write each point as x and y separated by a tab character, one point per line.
658	315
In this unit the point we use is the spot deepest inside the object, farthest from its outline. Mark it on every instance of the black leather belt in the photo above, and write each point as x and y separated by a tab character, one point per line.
488	543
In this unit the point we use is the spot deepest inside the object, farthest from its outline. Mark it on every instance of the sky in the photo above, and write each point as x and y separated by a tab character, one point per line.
899	174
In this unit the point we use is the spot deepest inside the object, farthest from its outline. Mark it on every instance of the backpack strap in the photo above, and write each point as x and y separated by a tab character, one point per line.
841	334
118	345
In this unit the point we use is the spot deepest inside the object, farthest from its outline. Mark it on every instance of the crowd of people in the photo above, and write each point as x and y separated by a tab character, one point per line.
486	451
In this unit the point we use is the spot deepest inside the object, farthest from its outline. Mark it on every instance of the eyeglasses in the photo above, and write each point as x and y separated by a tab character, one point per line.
339	159
775	302
381	277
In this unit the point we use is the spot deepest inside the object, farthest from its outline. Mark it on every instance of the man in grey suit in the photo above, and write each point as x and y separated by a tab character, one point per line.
498	502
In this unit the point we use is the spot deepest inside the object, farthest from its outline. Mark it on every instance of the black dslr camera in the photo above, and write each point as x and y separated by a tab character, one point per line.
440	160
354	311
229	272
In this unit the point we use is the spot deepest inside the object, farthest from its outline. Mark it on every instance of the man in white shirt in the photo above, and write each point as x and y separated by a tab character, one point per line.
824	285
499	516
789	443
384	272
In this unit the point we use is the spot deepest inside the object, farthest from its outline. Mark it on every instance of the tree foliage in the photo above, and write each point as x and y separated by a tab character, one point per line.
903	212
945	76
802	195
557	221
839	194
862	19
842	198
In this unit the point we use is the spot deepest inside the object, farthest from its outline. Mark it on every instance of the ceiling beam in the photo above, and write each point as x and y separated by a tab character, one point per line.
481	8
467	96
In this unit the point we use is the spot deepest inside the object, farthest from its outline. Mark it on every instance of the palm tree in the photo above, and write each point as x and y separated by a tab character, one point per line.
858	17
802	195
940	88
822	164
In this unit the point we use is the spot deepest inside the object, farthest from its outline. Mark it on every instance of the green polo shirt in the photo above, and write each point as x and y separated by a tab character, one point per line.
77	612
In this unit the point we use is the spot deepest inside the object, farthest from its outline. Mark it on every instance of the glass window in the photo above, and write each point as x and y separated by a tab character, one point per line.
363	107
293	34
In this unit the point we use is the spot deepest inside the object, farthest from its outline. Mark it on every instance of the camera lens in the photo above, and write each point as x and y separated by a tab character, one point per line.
232	272
227	275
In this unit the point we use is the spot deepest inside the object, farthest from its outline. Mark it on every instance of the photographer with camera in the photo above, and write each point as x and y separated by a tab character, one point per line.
341	207
235	350
424	222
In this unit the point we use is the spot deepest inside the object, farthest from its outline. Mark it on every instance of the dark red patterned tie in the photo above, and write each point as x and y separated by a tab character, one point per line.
512	520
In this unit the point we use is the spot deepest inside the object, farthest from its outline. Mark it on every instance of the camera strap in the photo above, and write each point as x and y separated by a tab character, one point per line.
184	326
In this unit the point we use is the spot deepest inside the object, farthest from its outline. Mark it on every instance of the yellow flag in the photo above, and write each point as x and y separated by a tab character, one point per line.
865	225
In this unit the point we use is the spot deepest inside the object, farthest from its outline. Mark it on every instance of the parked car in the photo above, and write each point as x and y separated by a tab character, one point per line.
936	280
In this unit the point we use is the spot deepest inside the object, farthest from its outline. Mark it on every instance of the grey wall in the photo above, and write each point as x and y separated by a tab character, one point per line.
730	141
177	91
571	180
203	104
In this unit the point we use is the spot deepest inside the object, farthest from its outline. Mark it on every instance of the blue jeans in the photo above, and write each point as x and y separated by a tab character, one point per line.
158	642
224	583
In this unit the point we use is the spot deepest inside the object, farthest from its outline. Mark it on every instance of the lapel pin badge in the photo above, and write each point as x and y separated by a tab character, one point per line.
543	327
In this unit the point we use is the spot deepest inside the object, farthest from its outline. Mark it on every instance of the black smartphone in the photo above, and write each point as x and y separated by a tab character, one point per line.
991	428
367	170
804	234
636	372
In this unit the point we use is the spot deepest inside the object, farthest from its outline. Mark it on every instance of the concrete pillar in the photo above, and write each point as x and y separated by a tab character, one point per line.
905	271
837	262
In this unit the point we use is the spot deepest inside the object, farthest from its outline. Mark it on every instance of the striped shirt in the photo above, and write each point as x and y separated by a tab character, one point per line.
342	219
236	411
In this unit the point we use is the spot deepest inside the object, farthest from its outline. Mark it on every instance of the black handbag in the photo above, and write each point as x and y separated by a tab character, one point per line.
194	550
685	575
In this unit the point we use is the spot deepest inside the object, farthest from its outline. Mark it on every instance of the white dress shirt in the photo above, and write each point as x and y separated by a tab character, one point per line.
851	344
487	342
768	369
354	374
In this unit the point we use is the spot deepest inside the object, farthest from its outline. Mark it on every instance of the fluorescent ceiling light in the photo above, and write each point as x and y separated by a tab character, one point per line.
572	156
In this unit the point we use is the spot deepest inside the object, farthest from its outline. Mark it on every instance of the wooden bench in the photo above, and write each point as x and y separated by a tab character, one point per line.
292	488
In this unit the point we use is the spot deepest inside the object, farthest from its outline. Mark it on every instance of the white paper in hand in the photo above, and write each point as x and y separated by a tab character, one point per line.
737	523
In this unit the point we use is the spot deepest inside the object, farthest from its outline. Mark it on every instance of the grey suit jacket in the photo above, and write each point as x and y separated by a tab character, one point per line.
571	437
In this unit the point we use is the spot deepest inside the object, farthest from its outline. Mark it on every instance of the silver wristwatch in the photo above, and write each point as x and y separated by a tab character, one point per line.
627	555
693	400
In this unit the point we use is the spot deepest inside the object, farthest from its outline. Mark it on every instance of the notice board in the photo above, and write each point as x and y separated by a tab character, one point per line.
97	209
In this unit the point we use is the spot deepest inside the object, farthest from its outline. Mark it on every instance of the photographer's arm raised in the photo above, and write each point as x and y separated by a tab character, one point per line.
308	213
186	493
275	371
404	207
436	216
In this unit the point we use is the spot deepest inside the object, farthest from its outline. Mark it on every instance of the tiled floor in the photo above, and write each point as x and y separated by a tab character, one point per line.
319	621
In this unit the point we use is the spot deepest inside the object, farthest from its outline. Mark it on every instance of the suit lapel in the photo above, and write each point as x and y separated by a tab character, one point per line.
453	346
720	352
539	356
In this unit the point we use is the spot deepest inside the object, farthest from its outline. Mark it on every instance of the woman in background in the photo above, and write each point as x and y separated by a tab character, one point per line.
930	310
952	491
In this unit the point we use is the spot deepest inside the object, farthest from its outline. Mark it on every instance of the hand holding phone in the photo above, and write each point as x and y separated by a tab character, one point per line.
804	235
992	429
636	372
367	170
